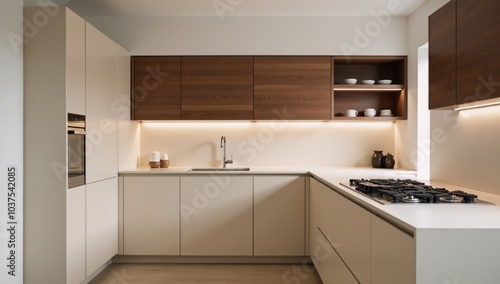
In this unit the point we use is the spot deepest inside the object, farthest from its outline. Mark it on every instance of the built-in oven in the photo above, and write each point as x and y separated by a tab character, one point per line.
76	150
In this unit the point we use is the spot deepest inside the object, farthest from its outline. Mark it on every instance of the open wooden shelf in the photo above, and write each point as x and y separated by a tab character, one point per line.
368	88
377	96
364	118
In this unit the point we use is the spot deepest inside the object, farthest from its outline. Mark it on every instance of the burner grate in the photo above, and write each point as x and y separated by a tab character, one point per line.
409	191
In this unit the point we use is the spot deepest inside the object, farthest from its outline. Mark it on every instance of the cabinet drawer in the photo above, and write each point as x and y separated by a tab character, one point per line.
329	265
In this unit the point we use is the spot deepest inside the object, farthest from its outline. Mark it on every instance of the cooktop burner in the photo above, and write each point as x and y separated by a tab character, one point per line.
388	191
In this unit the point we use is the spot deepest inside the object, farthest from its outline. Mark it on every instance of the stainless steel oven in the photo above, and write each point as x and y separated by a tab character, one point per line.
76	150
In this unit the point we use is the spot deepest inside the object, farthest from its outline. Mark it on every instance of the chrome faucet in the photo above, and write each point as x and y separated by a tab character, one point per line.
223	146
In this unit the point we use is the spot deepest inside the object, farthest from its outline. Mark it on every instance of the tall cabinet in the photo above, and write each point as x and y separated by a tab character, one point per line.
75	227
101	93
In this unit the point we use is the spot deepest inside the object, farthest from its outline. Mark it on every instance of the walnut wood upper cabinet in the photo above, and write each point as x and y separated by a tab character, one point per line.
442	57
156	88
464	63
292	88
478	45
217	88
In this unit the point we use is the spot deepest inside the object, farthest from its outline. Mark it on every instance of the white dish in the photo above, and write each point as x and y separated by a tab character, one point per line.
350	81
368	82
384	82
386	115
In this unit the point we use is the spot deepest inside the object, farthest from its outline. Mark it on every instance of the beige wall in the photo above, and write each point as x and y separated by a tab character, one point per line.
409	141
298	144
463	145
256	35
465	148
285	144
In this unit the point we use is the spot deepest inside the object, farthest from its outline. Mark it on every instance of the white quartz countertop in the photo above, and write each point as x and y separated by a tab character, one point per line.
185	170
332	171
409	216
423	216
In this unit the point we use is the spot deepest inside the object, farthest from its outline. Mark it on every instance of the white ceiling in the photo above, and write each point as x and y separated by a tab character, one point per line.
162	8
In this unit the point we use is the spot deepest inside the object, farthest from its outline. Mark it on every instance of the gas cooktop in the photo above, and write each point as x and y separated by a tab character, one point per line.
407	191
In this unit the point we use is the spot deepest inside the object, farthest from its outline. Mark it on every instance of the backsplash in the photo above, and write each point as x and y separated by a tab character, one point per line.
267	144
464	148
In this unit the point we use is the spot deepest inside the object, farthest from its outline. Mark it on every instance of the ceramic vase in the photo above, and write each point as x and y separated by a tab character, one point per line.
389	161
377	159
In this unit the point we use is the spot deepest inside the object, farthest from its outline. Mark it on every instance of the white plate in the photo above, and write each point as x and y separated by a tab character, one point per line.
386	115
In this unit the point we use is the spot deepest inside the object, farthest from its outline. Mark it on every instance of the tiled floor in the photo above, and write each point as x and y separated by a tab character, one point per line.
207	273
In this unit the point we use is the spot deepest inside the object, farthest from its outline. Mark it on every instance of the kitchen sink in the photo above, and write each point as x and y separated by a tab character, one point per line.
218	170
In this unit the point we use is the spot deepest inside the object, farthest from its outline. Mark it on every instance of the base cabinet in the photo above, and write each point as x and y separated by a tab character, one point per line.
213	215
279	215
216	215
75	236
101	223
323	250
351	245
393	256
347	227
151	216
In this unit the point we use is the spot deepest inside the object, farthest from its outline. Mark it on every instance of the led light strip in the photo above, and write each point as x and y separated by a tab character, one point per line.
477	106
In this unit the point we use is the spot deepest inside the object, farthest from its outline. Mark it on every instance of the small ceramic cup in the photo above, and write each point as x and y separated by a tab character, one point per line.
371	112
351	113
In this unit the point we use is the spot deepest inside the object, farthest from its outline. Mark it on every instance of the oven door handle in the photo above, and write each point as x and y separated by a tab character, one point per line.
77	132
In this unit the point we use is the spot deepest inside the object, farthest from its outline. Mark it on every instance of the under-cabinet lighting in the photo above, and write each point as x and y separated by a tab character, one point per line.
477	106
365	89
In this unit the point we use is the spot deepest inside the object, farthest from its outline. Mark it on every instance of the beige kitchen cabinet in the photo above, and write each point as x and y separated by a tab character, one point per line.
75	236
75	63
101	95
393	255
325	258
330	266
101	223
279	215
216	215
347	227
151	215
57	223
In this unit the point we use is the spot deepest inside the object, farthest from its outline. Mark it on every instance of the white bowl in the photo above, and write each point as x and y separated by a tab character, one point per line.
350	81
384	82
368	82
